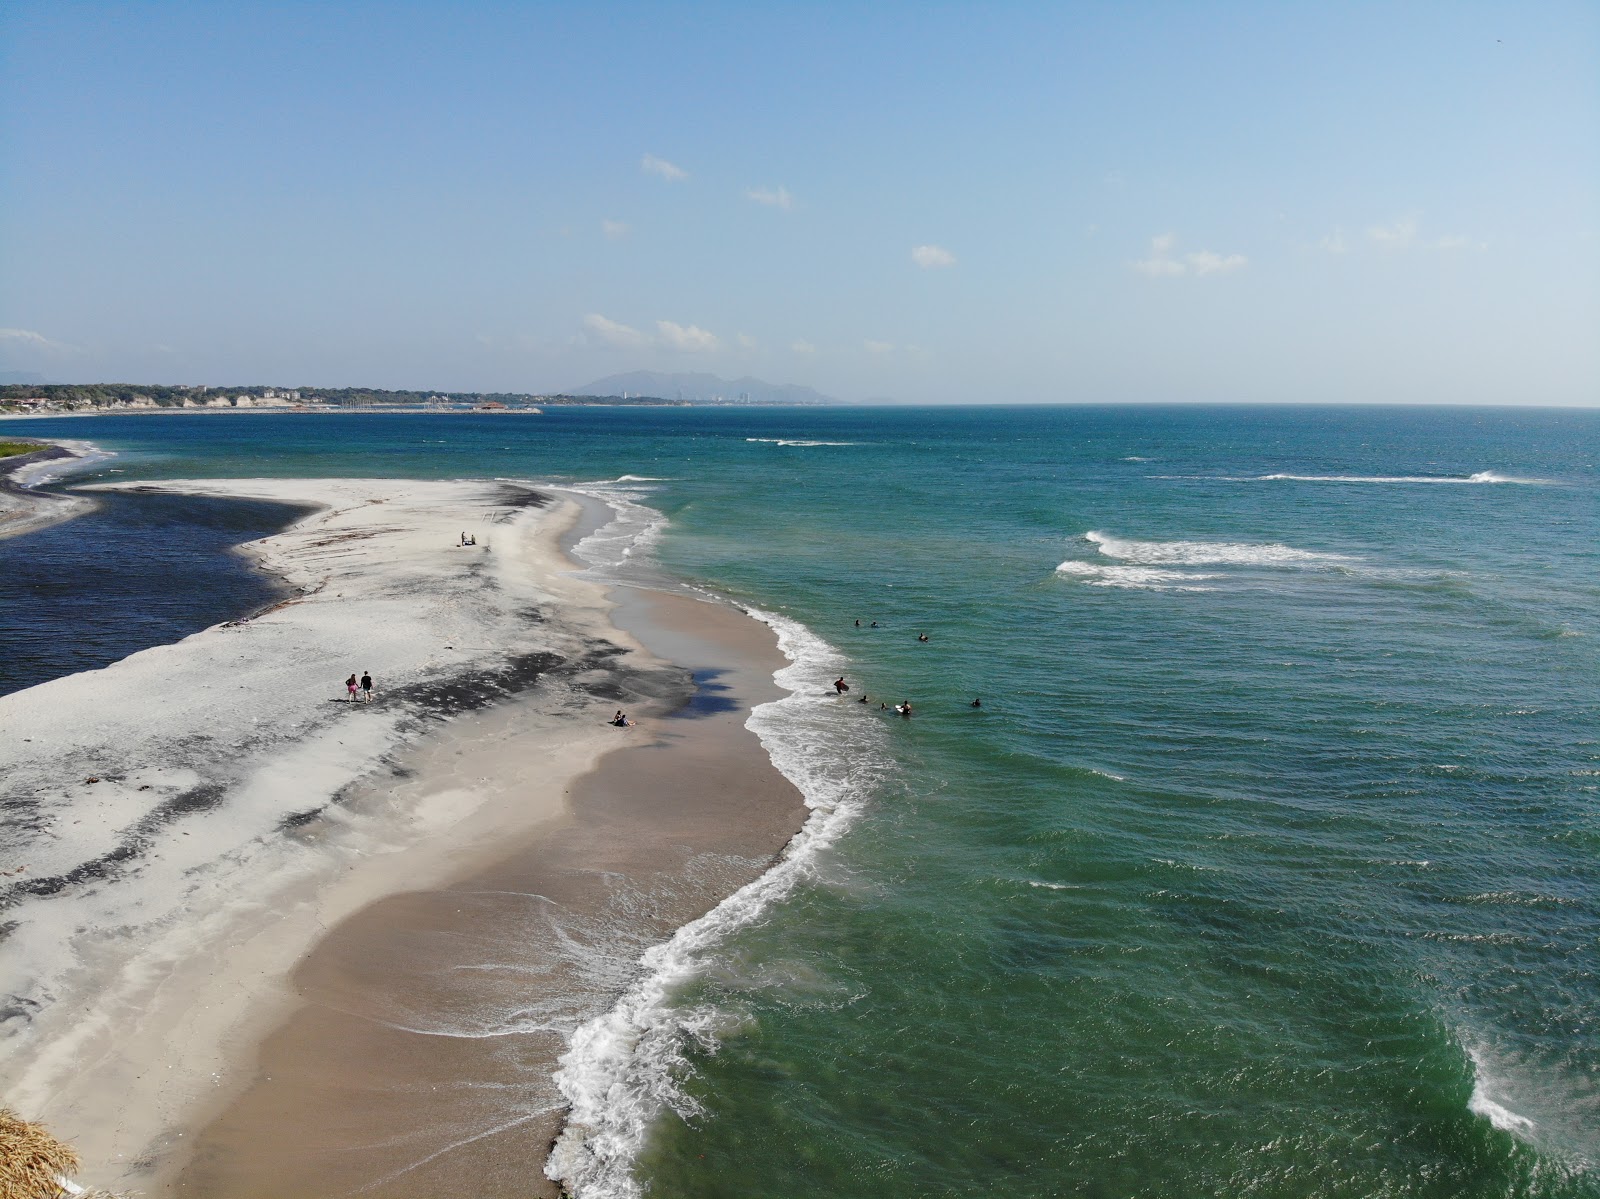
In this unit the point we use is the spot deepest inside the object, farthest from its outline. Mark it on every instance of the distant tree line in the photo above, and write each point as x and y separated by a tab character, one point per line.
96	395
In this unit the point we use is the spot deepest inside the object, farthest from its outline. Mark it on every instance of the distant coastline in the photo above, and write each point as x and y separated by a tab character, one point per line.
64	399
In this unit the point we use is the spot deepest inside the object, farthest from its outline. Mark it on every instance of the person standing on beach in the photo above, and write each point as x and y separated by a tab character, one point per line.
366	685
350	689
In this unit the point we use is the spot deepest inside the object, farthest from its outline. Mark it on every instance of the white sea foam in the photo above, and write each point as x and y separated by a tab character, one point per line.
1142	578
624	1068
1546	1101
1209	553
634	526
796	442
37	474
1482	476
1155	565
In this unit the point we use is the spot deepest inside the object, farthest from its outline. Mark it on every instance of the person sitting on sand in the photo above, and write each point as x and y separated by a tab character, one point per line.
840	686
621	719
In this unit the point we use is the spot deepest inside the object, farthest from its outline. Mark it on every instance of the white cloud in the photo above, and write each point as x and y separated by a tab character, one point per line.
669	335
616	230
690	338
612	334
878	347
1163	263
772	197
1400	235
1334	243
27	339
651	165
746	342
802	347
929	257
1204	262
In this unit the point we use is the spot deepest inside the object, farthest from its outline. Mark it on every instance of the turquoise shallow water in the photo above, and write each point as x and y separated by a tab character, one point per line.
1268	866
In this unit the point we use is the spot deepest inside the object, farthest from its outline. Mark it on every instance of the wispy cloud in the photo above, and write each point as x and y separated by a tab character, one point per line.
1163	262
690	338
878	347
772	197
27	339
1334	243
1398	235
1160	261
1406	234
802	346
616	230
669	335
651	165
931	257
623	337
1206	262
746	342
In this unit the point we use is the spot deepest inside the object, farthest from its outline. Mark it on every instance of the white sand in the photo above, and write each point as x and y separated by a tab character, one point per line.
25	510
189	878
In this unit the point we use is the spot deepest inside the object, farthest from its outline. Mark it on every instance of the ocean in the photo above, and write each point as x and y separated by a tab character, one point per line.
1267	865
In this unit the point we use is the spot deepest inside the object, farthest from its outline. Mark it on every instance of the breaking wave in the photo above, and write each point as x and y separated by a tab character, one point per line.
789	441
624	1068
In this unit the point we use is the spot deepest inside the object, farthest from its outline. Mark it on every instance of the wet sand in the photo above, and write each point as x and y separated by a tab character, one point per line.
419	1059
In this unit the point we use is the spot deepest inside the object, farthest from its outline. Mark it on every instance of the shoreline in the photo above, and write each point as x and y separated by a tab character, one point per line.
23	509
149	1077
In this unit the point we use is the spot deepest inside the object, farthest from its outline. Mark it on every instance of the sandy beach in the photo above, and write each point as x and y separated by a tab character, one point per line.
271	942
23	509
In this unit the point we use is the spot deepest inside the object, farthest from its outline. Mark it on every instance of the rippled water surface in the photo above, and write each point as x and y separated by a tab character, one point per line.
1267	865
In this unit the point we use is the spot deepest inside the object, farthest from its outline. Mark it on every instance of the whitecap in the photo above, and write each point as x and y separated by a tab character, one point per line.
1141	578
1210	553
623	1068
1482	476
796	442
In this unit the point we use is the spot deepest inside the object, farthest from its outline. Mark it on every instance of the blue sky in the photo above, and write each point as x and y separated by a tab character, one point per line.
947	203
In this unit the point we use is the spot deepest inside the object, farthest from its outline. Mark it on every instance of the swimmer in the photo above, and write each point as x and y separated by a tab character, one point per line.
976	703
863	698
922	636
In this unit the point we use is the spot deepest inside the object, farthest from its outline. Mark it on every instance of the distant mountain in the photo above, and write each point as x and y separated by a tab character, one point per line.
702	387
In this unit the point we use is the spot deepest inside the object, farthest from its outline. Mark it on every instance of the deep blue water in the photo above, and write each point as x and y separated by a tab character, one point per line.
1267	866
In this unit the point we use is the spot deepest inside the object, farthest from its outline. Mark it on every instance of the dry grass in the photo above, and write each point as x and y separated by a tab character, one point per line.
31	1160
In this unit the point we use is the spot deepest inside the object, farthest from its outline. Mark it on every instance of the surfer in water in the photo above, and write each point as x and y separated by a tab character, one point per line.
840	686
904	708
